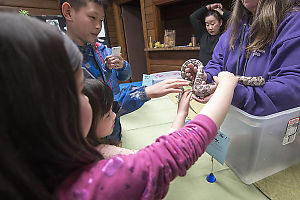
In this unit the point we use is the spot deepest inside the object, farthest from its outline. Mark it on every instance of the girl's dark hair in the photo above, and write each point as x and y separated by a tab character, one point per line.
214	13
41	142
269	14
101	99
77	4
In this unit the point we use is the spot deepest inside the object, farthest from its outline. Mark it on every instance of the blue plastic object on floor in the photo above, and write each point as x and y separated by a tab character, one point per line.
211	178
187	121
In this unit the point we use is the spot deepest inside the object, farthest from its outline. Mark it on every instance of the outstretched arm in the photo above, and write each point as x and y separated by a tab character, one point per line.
132	98
217	107
166	87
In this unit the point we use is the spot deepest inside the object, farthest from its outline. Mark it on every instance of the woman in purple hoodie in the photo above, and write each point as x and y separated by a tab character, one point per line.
263	39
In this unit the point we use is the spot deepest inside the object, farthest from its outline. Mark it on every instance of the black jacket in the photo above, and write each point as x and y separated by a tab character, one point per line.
207	41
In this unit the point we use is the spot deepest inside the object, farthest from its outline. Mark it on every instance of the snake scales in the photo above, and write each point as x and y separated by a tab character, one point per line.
201	90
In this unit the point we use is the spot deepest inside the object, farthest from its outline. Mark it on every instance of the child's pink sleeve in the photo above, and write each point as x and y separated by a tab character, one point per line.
146	174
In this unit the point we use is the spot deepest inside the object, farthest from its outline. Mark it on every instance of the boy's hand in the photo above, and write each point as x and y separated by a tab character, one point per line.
183	104
165	87
114	62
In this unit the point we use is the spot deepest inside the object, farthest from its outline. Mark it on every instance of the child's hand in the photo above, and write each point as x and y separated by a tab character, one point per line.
165	87
182	110
114	62
183	104
225	77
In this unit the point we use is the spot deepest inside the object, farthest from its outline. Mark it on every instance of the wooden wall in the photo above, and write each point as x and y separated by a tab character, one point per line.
112	29
115	27
158	15
35	7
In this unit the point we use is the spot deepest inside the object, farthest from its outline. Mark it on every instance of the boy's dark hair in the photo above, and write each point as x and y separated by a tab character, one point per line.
101	99
41	140
77	4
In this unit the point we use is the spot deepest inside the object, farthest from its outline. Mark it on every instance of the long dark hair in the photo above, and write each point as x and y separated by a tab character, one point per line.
214	13
269	14
101	99
41	142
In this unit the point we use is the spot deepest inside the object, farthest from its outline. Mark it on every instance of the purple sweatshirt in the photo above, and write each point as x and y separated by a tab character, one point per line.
279	64
146	174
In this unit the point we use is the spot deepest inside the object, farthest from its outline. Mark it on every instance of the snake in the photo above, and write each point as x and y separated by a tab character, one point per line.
203	90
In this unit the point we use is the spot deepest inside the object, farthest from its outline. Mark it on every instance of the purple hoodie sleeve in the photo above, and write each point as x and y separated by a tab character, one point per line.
146	174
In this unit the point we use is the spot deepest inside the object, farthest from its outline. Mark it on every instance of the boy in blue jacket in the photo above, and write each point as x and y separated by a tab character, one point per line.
84	22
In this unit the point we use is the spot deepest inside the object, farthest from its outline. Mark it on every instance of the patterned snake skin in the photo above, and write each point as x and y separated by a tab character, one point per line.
201	90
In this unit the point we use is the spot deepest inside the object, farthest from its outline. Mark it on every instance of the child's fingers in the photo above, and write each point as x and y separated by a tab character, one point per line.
216	79
186	97
176	83
202	100
190	93
119	57
108	57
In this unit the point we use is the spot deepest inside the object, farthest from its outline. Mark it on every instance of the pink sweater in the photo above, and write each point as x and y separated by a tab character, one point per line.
145	174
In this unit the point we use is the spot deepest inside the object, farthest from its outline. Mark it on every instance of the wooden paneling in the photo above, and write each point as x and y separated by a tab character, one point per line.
146	41
147	3
48	4
158	15
119	28
164	2
111	25
35	7
150	25
162	61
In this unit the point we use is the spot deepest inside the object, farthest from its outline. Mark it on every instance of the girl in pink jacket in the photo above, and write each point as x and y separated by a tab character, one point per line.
45	117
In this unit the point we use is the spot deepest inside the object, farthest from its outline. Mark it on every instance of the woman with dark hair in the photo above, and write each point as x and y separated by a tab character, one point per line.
263	39
45	117
208	23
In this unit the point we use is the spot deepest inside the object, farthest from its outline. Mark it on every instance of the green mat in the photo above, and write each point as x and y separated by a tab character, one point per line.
284	185
153	119
195	106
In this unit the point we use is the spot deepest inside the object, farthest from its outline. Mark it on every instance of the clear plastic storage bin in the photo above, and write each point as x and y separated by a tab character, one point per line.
261	146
